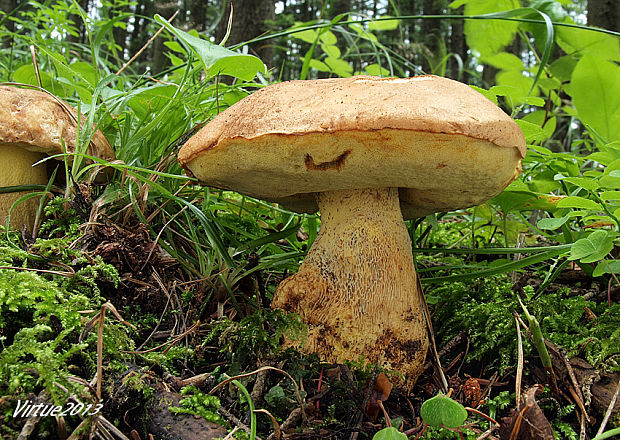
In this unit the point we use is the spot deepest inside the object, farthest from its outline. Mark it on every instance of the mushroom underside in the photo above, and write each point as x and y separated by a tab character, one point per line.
357	288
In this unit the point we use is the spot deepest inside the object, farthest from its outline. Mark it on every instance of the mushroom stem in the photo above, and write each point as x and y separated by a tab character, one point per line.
356	290
16	168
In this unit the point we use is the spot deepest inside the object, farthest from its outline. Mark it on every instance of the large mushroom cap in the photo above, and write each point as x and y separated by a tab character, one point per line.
444	145
38	122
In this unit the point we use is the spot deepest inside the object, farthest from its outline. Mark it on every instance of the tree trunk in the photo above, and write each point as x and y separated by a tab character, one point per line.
198	16
458	47
604	14
165	8
120	33
249	21
76	19
7	6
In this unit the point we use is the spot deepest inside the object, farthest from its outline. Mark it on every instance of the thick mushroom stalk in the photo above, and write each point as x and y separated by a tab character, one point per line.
357	288
16	168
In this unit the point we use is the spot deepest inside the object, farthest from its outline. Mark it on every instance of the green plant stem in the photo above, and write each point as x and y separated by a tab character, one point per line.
424	17
539	343
493	251
607	211
608	434
251	407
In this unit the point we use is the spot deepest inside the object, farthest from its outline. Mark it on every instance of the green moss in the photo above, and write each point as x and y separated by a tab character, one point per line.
200	404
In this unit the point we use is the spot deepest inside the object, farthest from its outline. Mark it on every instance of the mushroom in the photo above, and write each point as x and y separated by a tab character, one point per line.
34	124
368	153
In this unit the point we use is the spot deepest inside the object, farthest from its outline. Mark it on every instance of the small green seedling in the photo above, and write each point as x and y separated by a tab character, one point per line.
442	411
390	433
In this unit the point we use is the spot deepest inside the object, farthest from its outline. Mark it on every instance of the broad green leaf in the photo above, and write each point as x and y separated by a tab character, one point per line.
610	195
520	84
613	168
579	202
339	67
390	433
327	37
363	32
504	61
532	132
592	248
217	60
376	70
331	50
26	75
538	118
610	181
384	25
488	37
86	71
552	223
174	46
582	182
595	88
491	96
580	42
605	266
319	65
307	35
563	67
534	100
441	411
608	154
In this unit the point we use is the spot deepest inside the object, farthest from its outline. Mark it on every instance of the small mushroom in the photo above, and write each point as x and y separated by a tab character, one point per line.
367	152
34	124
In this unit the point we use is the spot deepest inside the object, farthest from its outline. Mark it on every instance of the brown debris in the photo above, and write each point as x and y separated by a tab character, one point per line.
528	424
380	393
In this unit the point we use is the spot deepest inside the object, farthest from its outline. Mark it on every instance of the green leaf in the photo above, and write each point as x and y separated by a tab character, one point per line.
339	67
384	25
548	253
504	61
532	132
605	266
552	223
331	50
563	67
308	35
582	182
217	60
607	434
441	411
319	65
610	195
489	94
610	181
592	248
579	202
389	434
376	70
519	83
539	118
595	88
488	37
363	33
576	41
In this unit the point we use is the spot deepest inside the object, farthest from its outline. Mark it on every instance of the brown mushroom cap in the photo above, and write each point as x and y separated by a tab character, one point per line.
444	145
38	122
34	124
